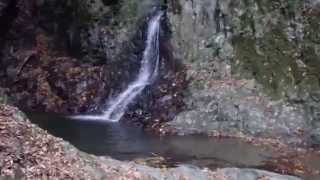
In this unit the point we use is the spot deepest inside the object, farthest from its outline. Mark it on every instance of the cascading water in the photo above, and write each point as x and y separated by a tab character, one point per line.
147	74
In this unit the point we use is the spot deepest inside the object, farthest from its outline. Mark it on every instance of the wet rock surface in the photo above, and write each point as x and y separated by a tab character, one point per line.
161	101
251	66
28	152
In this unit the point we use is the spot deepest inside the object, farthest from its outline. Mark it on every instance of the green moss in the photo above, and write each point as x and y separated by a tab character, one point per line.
275	66
132	11
129	11
309	55
281	66
313	28
267	5
246	20
288	7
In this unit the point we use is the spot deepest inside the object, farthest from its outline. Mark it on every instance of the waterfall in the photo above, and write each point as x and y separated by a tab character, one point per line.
148	72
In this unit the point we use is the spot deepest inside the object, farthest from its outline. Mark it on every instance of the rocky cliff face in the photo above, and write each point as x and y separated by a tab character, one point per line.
253	66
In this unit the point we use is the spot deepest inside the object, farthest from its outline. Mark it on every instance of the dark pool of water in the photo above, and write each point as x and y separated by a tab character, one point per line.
128	143
123	142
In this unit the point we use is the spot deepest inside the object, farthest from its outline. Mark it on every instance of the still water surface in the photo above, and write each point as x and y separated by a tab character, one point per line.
125	142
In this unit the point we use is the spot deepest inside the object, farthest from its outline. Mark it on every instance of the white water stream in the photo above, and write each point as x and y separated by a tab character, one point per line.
147	73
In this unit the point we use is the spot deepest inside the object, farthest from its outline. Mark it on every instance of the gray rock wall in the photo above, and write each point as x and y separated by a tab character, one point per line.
253	66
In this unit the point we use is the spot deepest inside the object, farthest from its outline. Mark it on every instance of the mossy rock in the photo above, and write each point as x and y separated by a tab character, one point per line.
284	66
272	65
